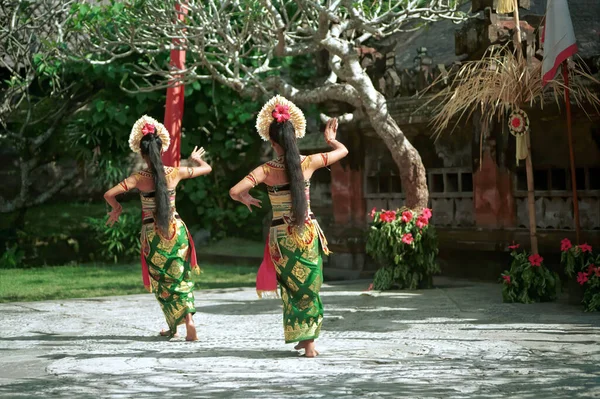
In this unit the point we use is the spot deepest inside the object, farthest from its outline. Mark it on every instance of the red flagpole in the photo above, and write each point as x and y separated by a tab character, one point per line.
174	103
565	72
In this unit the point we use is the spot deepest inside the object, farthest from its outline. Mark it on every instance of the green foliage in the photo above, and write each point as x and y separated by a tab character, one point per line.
528	280
582	263
591	295
406	247
121	241
222	123
12	258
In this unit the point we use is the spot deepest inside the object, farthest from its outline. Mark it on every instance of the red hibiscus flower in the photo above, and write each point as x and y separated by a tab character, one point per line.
591	270
281	113
536	260
422	221
565	245
514	246
407	239
582	278
407	216
506	279
373	212
427	213
148	129
388	216
585	247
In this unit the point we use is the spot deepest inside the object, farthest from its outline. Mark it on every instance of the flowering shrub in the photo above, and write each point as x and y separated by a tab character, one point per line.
528	280
581	263
405	245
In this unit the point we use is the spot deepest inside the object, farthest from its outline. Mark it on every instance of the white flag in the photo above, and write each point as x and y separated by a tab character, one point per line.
558	38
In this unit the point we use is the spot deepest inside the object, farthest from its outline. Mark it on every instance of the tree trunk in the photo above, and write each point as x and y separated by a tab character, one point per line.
407	158
410	165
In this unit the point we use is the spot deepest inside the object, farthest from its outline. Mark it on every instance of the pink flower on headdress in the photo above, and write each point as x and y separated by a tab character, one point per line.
148	129
281	113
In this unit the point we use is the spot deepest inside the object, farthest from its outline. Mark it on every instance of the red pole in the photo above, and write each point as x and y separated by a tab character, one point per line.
174	104
571	154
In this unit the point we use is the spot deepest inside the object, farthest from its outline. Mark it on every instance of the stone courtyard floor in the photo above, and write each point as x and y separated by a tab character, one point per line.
455	341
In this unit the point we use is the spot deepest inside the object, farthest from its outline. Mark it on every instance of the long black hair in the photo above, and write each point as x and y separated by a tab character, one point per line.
284	135
150	146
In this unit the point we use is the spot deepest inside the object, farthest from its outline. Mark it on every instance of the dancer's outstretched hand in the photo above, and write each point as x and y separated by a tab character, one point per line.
197	154
113	217
249	200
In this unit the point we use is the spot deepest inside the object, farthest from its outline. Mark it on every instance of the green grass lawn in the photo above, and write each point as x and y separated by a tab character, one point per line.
85	281
234	246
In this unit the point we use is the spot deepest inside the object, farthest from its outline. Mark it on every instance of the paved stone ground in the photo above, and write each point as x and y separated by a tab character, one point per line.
455	341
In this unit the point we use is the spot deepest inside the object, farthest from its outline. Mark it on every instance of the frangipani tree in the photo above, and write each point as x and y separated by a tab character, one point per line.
243	44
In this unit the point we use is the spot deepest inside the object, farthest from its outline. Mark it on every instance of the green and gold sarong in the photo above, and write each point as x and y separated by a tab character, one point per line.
296	255
170	269
168	264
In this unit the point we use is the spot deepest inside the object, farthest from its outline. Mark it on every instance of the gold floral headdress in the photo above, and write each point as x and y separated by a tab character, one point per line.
147	125
280	109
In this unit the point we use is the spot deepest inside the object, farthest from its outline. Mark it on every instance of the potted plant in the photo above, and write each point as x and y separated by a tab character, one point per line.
404	244
582	267
528	280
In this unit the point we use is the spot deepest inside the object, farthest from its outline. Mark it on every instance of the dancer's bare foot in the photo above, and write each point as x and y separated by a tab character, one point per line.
309	348
300	345
192	335
167	333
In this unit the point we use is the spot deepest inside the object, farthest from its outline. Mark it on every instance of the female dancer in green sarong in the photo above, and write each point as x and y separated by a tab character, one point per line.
168	255
295	240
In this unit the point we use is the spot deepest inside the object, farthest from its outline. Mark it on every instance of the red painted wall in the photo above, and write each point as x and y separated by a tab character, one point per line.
493	197
347	195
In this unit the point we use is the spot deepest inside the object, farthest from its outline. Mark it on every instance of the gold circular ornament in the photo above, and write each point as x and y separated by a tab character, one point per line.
146	125
265	117
518	125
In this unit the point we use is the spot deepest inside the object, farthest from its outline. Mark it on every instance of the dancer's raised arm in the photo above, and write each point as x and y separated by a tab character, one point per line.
203	168
339	150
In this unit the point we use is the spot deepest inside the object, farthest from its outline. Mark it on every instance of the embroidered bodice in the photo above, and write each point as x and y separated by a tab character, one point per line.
281	199
148	198
280	195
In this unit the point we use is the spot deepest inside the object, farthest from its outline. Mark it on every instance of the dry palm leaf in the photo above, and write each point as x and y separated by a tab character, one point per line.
502	80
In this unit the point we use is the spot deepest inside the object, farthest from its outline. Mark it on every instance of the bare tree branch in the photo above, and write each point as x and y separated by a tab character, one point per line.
240	43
